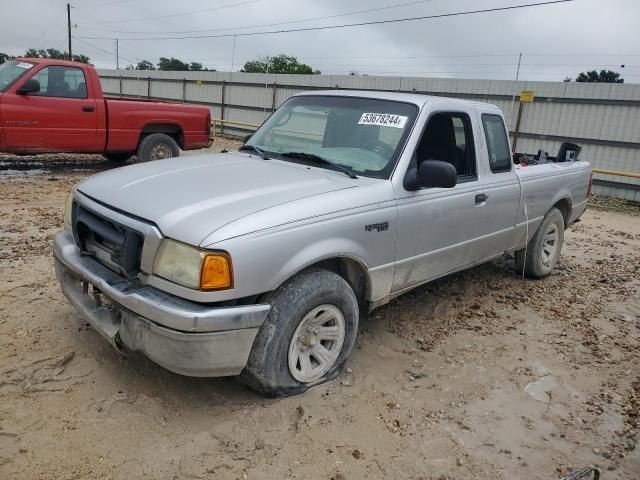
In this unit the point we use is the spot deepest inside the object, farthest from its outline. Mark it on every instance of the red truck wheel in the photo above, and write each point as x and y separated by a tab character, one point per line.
157	146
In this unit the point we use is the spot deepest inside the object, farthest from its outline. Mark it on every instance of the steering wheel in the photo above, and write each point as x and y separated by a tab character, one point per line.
383	149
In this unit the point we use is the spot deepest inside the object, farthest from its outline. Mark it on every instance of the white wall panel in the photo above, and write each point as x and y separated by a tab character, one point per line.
203	93
621	124
581	120
547	89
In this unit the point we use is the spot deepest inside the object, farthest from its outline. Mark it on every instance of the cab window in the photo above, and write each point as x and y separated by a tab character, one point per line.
67	82
448	137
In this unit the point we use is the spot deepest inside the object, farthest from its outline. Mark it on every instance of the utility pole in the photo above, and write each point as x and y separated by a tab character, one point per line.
117	56
518	70
233	54
513	99
69	29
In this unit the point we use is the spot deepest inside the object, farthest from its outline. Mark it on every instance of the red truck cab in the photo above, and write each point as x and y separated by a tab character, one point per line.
58	106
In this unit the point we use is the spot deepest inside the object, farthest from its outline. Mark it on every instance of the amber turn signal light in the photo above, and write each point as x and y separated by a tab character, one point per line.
216	272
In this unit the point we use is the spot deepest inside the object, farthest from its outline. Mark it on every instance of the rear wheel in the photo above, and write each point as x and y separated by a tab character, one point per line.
157	146
543	250
307	336
118	158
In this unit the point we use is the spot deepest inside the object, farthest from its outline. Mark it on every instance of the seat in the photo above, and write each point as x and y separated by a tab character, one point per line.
439	143
338	131
81	91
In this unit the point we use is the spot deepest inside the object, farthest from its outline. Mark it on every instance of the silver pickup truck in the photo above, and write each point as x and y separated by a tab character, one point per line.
261	262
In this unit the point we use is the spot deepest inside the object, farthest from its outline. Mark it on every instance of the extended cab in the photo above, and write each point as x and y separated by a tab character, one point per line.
260	262
57	106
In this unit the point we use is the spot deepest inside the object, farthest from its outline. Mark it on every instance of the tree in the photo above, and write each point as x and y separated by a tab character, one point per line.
605	76
279	64
55	54
172	65
81	59
195	67
142	65
4	57
145	65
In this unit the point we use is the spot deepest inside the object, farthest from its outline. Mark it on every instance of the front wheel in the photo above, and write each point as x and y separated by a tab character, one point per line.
543	250
307	336
157	146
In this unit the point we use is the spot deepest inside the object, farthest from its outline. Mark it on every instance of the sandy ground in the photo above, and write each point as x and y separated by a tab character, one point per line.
481	375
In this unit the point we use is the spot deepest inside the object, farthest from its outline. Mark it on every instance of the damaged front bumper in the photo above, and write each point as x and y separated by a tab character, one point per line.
185	337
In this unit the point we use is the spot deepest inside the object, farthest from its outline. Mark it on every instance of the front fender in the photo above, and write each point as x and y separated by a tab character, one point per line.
264	260
327	249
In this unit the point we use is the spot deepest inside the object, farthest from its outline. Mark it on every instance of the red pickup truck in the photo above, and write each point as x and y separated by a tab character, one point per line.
57	106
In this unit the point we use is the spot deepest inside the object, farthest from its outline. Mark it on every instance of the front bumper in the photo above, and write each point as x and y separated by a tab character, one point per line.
182	336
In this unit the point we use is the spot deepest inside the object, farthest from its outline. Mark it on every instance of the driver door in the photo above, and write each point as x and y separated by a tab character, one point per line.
435	225
59	118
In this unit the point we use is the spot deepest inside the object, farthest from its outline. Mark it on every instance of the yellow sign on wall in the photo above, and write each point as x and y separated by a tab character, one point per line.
198	82
527	96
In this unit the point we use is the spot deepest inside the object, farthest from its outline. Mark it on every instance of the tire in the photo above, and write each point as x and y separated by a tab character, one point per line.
543	250
276	365
118	158
157	146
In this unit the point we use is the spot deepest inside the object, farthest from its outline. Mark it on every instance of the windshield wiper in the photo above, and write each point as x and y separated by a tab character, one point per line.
312	157
263	155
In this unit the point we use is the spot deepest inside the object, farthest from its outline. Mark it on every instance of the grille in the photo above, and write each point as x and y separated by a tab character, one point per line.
116	246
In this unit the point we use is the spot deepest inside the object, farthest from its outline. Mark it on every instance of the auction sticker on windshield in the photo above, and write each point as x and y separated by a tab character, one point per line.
383	120
26	66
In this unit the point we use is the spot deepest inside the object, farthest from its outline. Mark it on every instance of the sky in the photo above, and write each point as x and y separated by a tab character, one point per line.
556	41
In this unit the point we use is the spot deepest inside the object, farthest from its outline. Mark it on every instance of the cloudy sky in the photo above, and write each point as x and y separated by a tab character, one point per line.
556	40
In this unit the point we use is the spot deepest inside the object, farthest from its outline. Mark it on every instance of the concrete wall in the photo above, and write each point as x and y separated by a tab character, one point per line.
603	118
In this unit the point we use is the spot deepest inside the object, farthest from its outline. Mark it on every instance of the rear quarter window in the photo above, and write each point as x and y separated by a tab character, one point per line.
497	143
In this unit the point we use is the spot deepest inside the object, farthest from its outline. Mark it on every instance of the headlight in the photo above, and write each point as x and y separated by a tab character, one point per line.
191	267
68	207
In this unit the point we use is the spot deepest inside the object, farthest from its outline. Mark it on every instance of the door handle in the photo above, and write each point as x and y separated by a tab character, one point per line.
88	109
481	198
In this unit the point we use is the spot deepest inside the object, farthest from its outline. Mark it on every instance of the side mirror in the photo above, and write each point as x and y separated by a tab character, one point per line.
30	86
247	137
431	174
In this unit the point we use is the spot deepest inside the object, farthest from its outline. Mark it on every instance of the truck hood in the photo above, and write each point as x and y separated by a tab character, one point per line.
189	198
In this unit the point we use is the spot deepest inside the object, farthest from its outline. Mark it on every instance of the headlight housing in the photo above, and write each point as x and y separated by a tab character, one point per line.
68	208
192	267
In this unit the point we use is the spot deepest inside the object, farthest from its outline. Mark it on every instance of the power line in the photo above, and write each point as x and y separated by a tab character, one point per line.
369	10
92	45
457	72
349	25
181	14
475	55
101	49
100	5
582	54
414	57
475	65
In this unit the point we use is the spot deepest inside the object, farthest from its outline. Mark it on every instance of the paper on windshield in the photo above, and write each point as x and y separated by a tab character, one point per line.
24	65
383	120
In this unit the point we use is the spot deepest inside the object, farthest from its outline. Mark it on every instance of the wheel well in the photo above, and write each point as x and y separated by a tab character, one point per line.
352	271
564	206
170	129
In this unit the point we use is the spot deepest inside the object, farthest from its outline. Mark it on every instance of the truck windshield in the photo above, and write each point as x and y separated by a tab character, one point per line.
11	71
362	135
